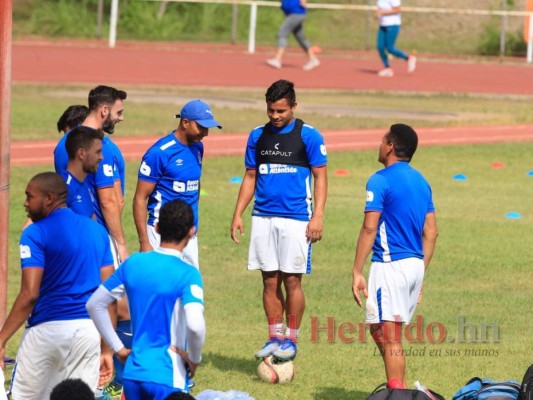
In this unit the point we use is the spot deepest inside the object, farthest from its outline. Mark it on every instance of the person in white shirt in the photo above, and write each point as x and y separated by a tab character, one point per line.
388	15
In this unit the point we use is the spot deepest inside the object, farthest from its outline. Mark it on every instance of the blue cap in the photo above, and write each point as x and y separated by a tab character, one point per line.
199	112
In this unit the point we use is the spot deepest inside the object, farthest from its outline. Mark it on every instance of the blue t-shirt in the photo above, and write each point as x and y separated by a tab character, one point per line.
403	197
175	169
158	285
79	198
109	169
292	7
286	190
71	249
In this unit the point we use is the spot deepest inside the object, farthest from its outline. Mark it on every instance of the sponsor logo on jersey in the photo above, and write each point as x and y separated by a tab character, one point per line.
189	186
25	251
78	199
369	196
282	169
108	170
276	153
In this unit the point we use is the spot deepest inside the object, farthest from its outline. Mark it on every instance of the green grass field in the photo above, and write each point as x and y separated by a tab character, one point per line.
150	110
480	277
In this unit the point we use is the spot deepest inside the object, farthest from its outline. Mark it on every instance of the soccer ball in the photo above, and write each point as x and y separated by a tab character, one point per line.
274	370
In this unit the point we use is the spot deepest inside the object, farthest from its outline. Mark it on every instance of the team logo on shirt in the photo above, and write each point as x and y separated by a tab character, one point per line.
179	162
369	196
108	170
78	199
25	251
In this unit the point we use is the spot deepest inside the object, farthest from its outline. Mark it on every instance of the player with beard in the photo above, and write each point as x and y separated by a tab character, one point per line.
106	107
84	148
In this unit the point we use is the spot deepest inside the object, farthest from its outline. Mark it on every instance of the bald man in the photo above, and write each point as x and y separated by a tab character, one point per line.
64	257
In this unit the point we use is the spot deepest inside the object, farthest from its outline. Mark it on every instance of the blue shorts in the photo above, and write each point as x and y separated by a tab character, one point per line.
135	390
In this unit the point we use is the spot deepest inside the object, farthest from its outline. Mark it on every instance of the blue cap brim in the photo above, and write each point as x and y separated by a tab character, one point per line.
208	123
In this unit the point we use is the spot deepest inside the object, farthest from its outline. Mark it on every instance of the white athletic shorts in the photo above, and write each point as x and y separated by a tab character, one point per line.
393	290
190	252
279	244
52	352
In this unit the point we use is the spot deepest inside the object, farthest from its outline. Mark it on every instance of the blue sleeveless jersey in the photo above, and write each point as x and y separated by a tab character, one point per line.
403	197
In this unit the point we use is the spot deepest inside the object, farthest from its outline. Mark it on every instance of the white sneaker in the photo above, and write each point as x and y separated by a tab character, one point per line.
311	64
387	72
274	63
411	64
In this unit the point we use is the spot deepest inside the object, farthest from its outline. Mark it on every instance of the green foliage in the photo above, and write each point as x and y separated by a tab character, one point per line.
65	18
333	29
489	43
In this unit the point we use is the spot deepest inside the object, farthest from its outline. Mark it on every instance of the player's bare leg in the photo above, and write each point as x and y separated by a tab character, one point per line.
387	336
274	306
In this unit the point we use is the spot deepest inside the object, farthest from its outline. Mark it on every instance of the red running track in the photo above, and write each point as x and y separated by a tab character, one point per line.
91	62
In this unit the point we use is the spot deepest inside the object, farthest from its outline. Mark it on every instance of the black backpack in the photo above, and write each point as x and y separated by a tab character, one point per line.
526	390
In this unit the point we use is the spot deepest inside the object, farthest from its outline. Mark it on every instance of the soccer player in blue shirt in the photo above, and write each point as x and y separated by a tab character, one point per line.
61	268
400	229
171	169
165	295
282	158
84	149
106	108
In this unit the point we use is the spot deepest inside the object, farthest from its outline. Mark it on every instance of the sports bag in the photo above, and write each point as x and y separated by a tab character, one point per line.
382	392
526	390
488	389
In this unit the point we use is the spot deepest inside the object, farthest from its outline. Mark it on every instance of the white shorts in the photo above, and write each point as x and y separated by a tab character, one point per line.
393	290
279	244
190	252
52	352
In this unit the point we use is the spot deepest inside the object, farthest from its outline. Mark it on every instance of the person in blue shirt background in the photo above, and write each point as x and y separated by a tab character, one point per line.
282	159
64	257
165	295
295	14
400	228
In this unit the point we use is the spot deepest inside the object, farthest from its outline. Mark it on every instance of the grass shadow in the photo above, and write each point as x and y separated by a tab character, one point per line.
226	363
336	393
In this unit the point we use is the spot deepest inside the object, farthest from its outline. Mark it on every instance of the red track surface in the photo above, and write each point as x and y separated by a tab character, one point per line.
229	66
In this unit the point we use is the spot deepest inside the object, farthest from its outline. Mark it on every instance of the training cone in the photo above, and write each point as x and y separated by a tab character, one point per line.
459	177
529	173
342	172
513	215
497	165
203	192
235	179
315	49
